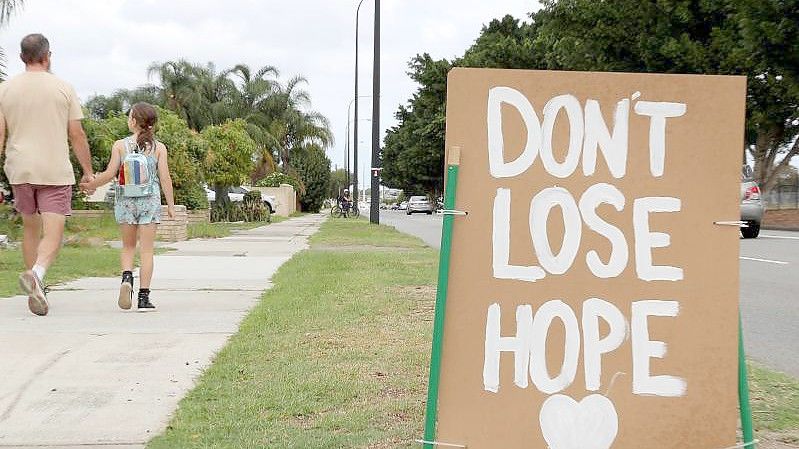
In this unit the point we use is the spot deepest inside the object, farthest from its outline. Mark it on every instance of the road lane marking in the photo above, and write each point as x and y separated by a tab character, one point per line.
778	237
755	259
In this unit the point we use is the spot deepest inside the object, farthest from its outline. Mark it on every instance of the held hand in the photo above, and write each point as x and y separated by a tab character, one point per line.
170	210
87	178
87	184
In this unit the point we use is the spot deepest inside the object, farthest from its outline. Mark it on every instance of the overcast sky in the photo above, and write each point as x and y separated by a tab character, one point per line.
103	45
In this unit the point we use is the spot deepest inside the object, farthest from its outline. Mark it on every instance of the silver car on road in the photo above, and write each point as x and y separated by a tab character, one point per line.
419	204
751	204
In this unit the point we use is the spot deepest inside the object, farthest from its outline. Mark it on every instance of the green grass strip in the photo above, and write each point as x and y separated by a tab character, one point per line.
335	355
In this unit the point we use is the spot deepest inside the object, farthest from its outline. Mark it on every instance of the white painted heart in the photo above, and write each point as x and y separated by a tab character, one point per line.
589	424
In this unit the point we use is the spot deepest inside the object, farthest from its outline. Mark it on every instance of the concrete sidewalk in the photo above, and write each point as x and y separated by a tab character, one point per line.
92	375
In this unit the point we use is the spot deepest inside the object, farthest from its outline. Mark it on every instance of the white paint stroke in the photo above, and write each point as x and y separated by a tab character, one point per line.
591	423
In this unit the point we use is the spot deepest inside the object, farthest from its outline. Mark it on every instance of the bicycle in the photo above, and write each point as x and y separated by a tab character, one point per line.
348	211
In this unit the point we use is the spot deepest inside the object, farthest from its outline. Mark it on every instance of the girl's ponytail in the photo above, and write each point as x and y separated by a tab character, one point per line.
146	117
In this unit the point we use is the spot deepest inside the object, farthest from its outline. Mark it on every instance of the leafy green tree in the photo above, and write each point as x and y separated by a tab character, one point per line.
229	158
769	50
101	135
186	151
338	182
504	44
759	39
313	168
413	155
102	106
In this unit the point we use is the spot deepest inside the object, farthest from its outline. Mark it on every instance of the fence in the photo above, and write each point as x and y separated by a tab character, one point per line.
783	197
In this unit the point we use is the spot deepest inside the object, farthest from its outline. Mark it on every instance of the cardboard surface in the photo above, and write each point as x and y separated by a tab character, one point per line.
701	169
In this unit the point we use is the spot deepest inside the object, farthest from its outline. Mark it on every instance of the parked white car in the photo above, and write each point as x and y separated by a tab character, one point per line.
419	204
236	195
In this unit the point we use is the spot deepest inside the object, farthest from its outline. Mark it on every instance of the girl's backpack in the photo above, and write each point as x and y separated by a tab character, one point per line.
135	178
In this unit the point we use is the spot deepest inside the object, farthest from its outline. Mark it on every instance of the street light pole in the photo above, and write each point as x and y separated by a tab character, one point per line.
374	214
355	99
349	167
347	155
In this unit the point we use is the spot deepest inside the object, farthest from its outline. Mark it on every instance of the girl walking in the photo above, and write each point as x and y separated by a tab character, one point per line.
140	164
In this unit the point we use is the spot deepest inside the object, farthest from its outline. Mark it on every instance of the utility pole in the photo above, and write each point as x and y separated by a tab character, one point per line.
374	214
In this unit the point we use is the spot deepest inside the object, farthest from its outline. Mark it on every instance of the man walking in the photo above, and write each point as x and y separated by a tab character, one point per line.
39	116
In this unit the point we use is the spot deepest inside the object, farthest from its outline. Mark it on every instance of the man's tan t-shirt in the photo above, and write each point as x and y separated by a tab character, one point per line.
37	108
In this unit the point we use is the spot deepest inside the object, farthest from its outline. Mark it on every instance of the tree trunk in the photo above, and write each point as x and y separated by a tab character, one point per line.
262	170
222	198
767	165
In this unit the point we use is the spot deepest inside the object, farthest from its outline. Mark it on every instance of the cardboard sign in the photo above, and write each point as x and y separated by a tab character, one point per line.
592	300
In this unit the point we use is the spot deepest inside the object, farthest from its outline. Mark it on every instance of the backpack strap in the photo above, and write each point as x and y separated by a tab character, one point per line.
130	146
133	147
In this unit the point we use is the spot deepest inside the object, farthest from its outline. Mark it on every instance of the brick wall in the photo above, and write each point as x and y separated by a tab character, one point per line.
781	219
173	230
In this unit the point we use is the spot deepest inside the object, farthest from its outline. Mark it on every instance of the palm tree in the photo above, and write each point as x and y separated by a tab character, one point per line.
251	92
293	126
7	9
279	118
179	82
252	89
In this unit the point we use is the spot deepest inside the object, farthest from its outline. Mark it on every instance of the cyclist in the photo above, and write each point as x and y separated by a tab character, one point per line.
345	201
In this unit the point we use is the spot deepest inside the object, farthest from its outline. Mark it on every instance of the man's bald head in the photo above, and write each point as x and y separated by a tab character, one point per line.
34	49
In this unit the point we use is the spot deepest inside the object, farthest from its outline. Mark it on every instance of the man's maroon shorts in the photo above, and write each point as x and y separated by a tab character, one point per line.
30	199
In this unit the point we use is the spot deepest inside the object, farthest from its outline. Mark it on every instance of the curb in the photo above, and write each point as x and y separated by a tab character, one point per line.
780	228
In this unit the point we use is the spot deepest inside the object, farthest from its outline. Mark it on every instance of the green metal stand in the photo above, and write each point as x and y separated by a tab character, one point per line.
441	303
743	392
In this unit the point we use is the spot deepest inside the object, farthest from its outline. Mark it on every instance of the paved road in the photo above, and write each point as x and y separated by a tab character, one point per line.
770	299
426	227
769	288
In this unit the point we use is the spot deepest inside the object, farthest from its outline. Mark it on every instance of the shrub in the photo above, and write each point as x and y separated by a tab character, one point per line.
251	209
277	178
226	212
186	150
229	159
313	167
10	222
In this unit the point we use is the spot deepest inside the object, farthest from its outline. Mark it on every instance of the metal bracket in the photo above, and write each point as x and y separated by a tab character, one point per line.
453	212
739	223
438	443
743	445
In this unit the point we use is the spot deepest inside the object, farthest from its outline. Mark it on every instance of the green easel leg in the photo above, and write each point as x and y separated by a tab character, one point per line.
441	304
743	392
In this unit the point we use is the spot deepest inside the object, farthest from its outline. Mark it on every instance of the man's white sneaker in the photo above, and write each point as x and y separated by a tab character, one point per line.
37	298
